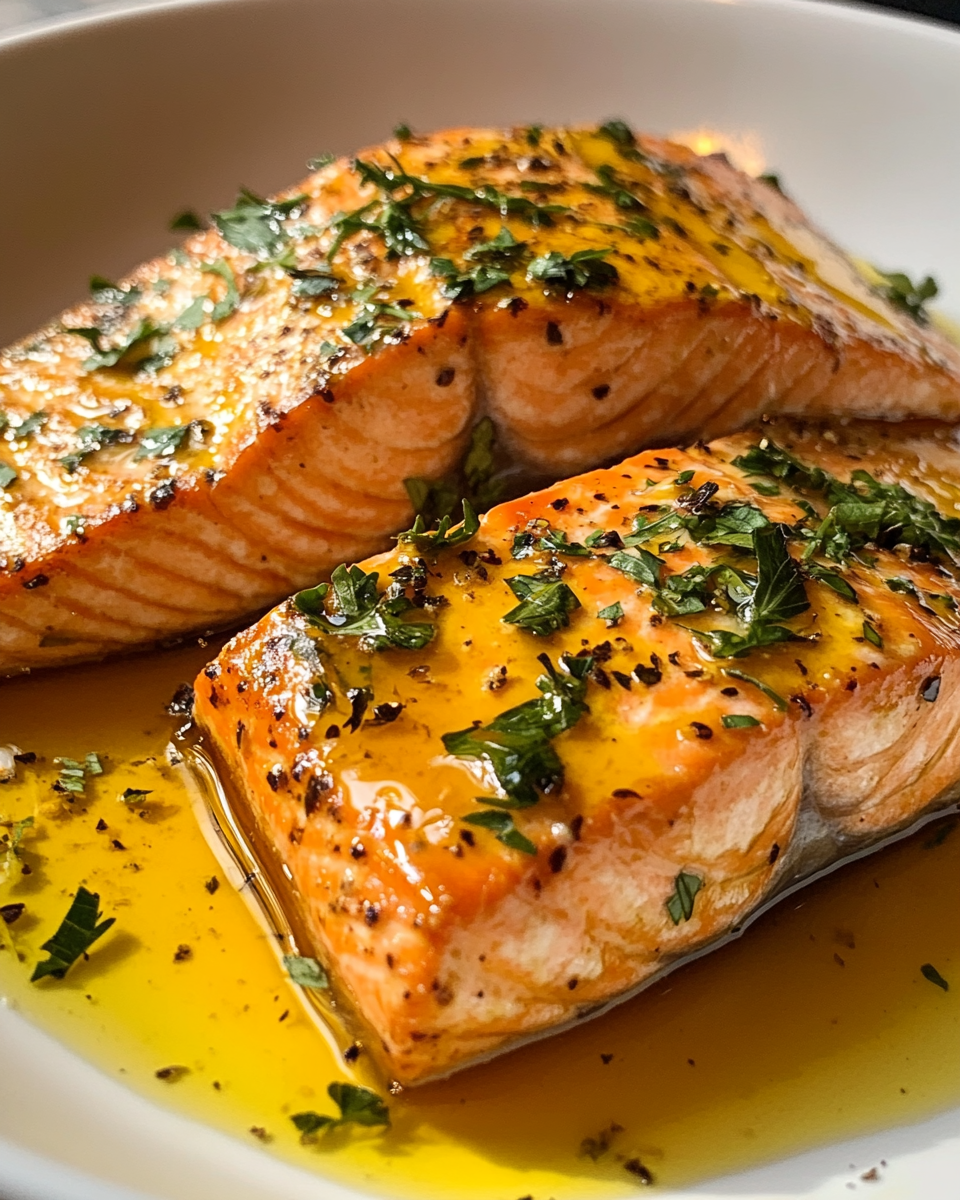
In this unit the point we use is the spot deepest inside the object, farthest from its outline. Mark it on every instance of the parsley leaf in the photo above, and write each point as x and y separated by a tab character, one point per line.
779	594
7	476
777	699
361	611
459	285
257	225
320	161
165	441
680	903
502	251
502	827
105	291
515	747
223	308
583	269
612	614
639	565
73	773
441	538
188	220
545	603
306	972
738	721
312	283
358	1106
77	933
145	347
898	289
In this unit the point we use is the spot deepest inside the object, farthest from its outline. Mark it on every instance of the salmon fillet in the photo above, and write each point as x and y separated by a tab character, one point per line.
242	414
499	780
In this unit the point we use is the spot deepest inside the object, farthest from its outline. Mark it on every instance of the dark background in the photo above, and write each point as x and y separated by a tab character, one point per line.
943	10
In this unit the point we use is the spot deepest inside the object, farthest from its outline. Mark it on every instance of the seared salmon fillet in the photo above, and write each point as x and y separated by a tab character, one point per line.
233	418
499	777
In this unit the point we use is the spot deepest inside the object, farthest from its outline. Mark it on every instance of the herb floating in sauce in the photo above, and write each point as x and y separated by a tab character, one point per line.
11	845
738	721
165	441
612	614
502	827
306	972
515	746
680	904
73	774
7	476
358	1106
77	933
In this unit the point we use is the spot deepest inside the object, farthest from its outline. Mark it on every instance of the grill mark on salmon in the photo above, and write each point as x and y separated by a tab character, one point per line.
669	823
725	304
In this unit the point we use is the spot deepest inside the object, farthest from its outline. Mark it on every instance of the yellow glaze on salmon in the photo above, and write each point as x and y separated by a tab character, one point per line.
241	414
693	760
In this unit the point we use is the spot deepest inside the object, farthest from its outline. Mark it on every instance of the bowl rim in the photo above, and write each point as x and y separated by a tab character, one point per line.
33	1176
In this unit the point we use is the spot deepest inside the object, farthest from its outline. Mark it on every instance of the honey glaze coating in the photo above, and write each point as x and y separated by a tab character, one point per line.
726	726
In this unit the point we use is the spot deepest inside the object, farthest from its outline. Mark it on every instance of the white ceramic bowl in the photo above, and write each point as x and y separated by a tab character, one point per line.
109	123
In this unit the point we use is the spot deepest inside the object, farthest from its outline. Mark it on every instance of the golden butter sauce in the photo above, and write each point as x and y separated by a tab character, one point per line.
817	1025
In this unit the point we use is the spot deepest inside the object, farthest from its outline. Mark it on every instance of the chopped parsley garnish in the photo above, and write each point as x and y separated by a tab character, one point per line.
871	635
501	825
680	903
539	536
306	972
257	225
231	298
135	795
503	251
442	537
77	933
105	291
28	426
312	283
738	721
11	844
777	699
165	441
7	476
359	610
899	290
476	481
459	285
773	180
145	347
832	580
862	511
376	320
188	221
73	774
639	565
358	1106
618	132
515	747
545	603
583	269
612	614
90	439
320	161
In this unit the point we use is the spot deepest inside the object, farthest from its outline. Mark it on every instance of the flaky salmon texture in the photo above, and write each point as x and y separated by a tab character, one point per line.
502	775
191	444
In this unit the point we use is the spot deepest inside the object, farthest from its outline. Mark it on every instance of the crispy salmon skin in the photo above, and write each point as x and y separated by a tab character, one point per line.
191	444
503	775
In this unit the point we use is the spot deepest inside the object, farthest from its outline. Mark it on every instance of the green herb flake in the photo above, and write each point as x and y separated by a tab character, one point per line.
166	441
612	614
930	972
256	225
684	478
29	426
583	269
320	161
545	603
443	536
515	747
90	439
7	476
502	826
871	635
231	297
73	774
402	132
379	621
187	221
306	972
135	795
639	565
777	699
358	1106
618	132
77	933
738	721
680	903
832	580
909	297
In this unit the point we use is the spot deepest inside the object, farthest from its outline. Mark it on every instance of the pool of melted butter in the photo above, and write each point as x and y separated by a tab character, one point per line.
816	1026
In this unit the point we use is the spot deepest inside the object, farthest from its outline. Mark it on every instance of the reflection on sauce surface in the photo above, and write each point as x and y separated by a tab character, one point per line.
816	1026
